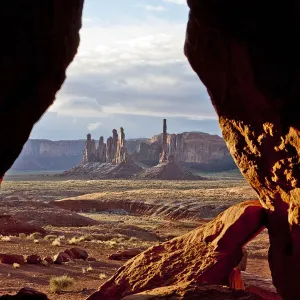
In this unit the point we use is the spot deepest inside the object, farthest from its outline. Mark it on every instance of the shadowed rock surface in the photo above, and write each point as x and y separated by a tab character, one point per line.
47	32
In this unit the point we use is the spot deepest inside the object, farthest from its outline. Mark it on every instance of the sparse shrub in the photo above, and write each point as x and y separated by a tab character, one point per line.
73	241
50	237
16	266
56	242
102	276
5	238
35	236
22	236
61	283
62	237
89	269
36	241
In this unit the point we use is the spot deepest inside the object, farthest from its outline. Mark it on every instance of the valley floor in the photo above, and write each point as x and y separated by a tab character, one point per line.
109	229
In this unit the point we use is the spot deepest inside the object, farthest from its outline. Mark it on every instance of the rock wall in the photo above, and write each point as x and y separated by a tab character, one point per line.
39	45
187	147
250	64
38	155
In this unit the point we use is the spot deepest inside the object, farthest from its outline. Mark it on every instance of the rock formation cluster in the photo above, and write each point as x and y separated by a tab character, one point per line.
114	151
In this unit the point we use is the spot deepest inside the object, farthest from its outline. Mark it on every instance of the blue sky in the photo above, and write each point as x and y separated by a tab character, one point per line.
130	71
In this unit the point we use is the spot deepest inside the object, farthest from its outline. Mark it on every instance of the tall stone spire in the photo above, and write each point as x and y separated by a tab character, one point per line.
122	155
101	151
163	155
89	154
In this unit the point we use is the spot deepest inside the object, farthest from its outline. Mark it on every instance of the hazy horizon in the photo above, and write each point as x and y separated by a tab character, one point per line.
130	72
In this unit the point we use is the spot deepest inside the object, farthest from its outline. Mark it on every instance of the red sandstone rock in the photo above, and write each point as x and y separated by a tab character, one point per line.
249	63
70	253
193	292
33	259
61	257
12	226
79	253
48	260
10	259
26	294
207	254
124	254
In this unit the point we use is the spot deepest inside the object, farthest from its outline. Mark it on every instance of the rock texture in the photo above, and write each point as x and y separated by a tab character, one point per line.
205	255
194	149
164	155
101	151
121	155
250	64
112	145
90	152
48	34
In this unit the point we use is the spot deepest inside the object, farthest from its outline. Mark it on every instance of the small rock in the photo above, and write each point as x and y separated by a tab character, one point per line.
10	259
49	260
79	253
70	253
124	254
33	259
61	257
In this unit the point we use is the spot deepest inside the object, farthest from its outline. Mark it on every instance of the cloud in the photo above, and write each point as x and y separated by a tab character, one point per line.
135	70
154	8
179	2
93	126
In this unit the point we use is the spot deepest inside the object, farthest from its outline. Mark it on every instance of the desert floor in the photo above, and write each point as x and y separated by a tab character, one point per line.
113	226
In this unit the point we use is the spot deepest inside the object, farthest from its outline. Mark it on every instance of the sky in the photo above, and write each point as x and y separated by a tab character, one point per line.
130	71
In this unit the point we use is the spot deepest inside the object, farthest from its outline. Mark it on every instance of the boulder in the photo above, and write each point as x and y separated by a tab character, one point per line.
193	292
10	259
79	253
70	253
207	254
33	259
124	254
48	260
26	293
61	257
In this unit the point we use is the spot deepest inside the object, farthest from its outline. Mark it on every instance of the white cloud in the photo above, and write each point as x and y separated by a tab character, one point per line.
154	8
93	126
179	2
138	69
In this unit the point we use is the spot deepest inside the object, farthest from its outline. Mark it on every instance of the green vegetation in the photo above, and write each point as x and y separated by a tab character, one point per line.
61	283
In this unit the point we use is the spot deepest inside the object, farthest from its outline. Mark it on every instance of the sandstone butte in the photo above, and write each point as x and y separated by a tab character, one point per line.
247	55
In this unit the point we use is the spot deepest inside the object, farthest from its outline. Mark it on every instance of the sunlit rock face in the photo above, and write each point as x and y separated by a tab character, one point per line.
250	65
38	46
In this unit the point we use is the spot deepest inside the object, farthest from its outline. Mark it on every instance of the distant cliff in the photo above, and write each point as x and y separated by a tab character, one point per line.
38	155
196	150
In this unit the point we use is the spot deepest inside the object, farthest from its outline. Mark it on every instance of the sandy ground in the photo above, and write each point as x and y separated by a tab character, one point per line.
115	229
